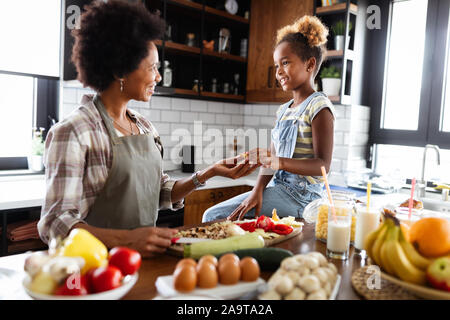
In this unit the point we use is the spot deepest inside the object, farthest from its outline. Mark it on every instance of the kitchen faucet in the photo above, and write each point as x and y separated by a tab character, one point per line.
423	184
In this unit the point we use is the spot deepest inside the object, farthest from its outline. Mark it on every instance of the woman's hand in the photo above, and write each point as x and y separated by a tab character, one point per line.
264	157
254	200
150	241
235	167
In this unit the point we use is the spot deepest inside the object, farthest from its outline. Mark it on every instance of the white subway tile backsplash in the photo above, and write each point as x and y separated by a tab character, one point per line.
260	109
199	106
207	118
251	121
162	128
170	116
338	138
180	104
189	117
344	125
215	107
224	119
237	120
162	103
340	111
267	121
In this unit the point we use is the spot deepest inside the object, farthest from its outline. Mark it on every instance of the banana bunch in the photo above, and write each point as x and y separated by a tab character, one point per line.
389	249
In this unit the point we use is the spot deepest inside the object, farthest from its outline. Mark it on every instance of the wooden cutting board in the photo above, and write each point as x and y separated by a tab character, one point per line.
178	249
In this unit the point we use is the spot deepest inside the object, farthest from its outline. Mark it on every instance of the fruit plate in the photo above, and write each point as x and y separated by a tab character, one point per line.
420	291
127	283
165	288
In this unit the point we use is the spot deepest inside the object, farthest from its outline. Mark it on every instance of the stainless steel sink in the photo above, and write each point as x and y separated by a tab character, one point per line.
436	205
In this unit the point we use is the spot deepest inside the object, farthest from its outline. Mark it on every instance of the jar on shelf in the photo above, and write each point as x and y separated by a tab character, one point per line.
190	39
317	212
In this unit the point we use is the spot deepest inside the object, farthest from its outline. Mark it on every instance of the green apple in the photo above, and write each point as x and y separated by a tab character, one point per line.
438	273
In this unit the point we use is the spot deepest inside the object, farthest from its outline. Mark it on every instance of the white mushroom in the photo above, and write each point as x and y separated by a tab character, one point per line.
322	275
300	257
309	283
273	281
296	294
293	275
327	287
317	295
320	257
332	267
269	295
290	264
331	275
311	262
284	285
303	271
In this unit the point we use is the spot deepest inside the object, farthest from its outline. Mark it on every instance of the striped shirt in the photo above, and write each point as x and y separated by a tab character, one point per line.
77	159
304	145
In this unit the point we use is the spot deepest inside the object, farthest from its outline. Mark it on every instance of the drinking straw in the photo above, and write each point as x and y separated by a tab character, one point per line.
413	184
324	174
369	189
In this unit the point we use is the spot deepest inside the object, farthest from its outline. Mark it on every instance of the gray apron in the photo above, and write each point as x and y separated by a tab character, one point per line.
130	197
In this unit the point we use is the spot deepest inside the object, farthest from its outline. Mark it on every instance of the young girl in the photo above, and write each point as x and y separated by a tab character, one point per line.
302	140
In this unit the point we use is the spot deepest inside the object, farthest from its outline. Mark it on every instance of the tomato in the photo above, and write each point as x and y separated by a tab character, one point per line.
74	285
106	278
127	260
265	223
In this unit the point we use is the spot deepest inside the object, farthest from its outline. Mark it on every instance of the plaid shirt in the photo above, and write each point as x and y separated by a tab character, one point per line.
77	158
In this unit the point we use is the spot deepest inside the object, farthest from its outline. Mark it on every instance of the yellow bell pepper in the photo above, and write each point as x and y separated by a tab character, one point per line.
81	243
274	215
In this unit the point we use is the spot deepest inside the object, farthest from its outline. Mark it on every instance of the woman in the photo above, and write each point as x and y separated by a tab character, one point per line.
302	140
103	163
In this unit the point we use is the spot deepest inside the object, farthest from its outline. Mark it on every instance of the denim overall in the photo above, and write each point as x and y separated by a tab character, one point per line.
289	193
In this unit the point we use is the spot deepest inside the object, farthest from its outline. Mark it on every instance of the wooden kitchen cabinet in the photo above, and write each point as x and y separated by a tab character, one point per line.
267	16
198	201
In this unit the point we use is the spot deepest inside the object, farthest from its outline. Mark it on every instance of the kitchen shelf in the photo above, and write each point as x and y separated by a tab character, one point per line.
210	10
182	48
222	95
225	56
186	92
178	47
186	3
226	15
336	8
338	54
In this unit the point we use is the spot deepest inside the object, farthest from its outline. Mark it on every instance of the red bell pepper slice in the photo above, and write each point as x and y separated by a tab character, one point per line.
282	229
248	226
265	223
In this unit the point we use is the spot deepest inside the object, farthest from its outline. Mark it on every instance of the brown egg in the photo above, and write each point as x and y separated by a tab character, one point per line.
207	276
186	261
249	269
185	278
229	256
208	258
229	272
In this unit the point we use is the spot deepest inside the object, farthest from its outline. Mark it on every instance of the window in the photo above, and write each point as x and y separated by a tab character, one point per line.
30	34
404	66
16	115
411	88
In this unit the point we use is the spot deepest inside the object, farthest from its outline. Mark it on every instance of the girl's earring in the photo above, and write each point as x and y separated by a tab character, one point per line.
121	85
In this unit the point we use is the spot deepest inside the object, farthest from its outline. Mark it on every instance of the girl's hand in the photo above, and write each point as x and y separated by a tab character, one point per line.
265	158
235	167
150	241
254	200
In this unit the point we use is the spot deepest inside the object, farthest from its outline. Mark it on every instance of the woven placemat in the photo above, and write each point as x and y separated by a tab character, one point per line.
378	289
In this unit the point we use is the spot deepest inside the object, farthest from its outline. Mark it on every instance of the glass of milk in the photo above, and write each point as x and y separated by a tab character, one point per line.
338	239
367	220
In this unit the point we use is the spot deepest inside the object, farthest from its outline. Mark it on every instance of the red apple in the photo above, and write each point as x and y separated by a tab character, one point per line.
438	273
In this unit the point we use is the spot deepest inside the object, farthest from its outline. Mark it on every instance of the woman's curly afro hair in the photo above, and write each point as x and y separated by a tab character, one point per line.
112	41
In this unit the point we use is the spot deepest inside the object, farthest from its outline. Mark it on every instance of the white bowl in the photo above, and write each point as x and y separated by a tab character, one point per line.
115	294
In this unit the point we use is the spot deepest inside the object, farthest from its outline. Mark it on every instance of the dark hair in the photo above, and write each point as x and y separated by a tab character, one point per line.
299	44
307	37
112	41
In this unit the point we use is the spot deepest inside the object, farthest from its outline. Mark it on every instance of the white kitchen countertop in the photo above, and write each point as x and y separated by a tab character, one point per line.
28	191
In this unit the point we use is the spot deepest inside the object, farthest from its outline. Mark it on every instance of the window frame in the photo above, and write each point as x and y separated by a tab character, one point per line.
432	88
45	113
